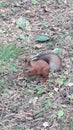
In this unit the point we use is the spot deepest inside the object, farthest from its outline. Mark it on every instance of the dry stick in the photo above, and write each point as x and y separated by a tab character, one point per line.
69	117
66	100
3	74
2	112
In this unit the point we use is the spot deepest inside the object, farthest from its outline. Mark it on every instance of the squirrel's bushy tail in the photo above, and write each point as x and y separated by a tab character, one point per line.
52	59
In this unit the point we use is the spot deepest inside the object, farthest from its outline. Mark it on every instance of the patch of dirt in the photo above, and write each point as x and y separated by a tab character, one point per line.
21	106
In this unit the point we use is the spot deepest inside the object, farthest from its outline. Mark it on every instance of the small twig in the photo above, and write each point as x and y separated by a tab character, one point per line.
37	115
3	74
66	99
69	117
2	111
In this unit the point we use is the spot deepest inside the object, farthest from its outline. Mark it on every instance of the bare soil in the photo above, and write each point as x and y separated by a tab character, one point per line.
22	105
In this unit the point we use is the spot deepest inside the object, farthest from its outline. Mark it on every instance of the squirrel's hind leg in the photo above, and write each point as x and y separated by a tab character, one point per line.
43	79
45	75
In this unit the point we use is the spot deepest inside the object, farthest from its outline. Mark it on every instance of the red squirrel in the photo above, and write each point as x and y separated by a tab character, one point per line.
42	65
37	68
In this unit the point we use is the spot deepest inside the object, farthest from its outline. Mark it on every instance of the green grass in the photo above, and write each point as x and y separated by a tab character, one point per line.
8	52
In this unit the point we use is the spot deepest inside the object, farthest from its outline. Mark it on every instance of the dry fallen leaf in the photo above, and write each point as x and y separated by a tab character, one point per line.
20	78
15	96
56	89
30	112
70	84
45	124
21	114
38	46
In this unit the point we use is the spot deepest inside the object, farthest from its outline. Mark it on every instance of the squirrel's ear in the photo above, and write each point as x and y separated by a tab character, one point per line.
26	60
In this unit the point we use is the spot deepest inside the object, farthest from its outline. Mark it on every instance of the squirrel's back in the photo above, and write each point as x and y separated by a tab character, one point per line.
52	59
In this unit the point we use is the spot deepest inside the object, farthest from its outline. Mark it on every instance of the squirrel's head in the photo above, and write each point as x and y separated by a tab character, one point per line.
27	65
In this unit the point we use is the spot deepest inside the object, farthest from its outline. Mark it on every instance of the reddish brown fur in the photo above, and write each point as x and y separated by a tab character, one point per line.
52	59
36	68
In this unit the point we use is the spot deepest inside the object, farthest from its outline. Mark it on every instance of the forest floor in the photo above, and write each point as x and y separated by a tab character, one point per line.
24	104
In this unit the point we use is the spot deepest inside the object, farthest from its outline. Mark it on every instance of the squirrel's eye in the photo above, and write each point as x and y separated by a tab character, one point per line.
26	69
29	71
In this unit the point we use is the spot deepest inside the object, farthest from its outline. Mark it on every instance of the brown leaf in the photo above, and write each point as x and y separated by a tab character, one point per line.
21	114
56	89
38	46
30	112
